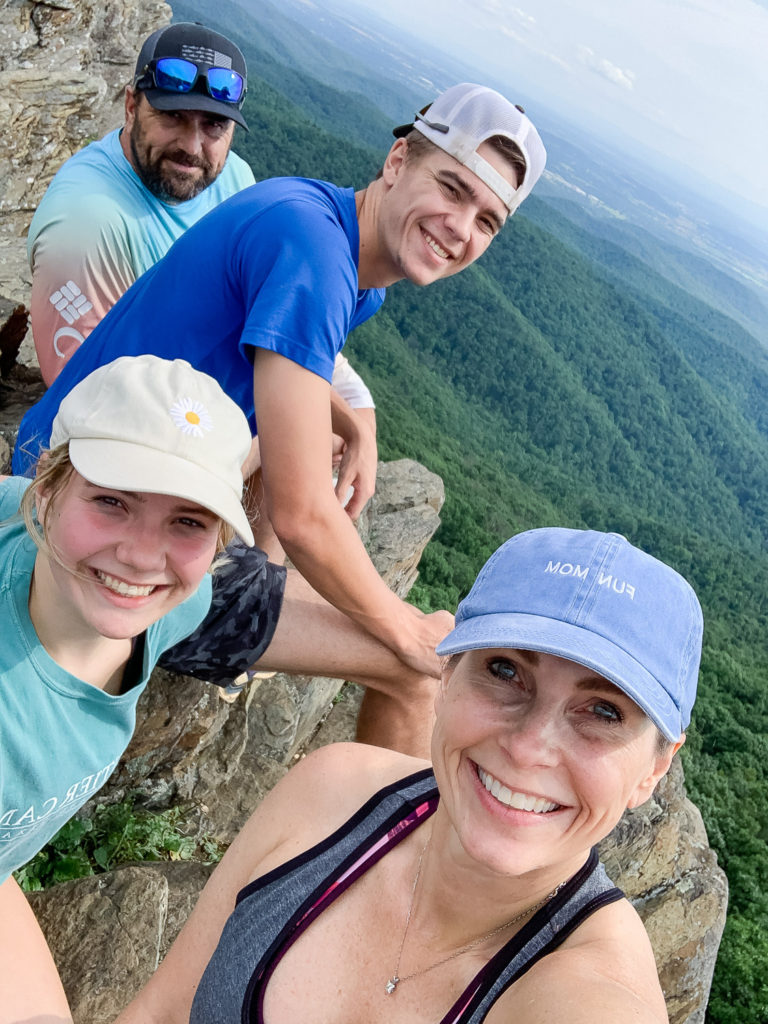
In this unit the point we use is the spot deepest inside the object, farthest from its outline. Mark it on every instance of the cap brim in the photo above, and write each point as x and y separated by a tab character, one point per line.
130	467
162	100
550	636
402	130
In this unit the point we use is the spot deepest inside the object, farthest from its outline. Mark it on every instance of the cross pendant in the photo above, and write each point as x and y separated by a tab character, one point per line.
392	985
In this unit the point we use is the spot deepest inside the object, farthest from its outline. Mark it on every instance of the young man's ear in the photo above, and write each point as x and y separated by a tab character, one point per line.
395	161
659	769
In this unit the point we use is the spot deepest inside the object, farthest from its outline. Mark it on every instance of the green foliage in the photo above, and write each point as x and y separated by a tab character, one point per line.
740	990
112	835
669	275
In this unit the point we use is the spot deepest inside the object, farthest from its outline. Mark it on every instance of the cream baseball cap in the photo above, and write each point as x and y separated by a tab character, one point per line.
142	423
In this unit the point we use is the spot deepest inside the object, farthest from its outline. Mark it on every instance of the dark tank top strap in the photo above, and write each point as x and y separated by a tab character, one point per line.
587	891
379	814
268	909
384	821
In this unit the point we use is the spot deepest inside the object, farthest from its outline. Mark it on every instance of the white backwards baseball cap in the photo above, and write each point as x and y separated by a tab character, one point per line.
142	423
465	116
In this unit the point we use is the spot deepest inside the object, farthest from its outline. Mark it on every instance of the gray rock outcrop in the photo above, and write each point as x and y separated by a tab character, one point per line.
660	856
134	912
63	67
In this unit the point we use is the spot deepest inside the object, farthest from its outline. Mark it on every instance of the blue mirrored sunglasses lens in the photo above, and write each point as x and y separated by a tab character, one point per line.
225	85
175	74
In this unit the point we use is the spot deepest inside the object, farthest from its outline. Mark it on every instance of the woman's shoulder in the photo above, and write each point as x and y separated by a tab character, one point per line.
314	799
362	768
11	491
328	785
605	970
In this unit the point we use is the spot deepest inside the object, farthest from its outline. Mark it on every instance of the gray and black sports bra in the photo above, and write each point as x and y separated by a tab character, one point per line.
271	912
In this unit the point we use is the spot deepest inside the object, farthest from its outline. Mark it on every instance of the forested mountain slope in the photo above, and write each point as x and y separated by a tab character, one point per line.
564	381
673	276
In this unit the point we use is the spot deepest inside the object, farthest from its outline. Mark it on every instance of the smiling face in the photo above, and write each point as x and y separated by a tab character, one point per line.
436	216
123	559
537	758
176	153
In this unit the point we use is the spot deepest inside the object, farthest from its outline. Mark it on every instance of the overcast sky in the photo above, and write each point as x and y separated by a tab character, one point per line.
687	78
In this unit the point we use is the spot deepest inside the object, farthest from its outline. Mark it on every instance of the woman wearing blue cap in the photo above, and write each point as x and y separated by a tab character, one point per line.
373	886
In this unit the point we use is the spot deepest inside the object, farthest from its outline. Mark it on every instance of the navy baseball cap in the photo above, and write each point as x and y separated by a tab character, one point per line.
193	44
596	600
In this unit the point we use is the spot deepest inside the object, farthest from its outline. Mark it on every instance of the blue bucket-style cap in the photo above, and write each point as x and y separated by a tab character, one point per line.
596	600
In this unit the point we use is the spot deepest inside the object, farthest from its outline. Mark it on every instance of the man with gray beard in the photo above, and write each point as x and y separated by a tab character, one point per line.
116	207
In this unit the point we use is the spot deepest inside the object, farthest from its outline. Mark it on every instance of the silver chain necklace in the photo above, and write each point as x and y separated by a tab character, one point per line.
396	980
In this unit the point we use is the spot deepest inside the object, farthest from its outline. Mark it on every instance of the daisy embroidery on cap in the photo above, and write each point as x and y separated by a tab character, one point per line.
191	417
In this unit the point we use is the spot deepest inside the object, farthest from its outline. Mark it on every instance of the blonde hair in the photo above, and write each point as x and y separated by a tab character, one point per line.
53	472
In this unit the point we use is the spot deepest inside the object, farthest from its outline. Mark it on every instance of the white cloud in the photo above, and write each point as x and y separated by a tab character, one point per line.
500	12
618	76
511	33
532	46
523	16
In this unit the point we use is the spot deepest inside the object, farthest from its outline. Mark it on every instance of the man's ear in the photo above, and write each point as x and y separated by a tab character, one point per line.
659	769
395	161
131	101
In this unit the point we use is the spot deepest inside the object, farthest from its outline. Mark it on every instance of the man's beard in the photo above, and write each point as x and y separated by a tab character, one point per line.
169	187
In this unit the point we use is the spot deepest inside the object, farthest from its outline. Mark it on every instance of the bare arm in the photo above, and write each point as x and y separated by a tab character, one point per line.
368	416
293	413
359	459
355	463
31	989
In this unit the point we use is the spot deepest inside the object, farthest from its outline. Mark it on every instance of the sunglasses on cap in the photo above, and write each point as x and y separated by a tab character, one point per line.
174	74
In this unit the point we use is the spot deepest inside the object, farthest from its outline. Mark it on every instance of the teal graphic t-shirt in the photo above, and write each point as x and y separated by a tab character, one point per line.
60	737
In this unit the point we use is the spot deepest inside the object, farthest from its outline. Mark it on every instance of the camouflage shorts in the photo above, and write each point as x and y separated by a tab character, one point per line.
247	595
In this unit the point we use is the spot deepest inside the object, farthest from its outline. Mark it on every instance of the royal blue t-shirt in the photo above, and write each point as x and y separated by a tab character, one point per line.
273	267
